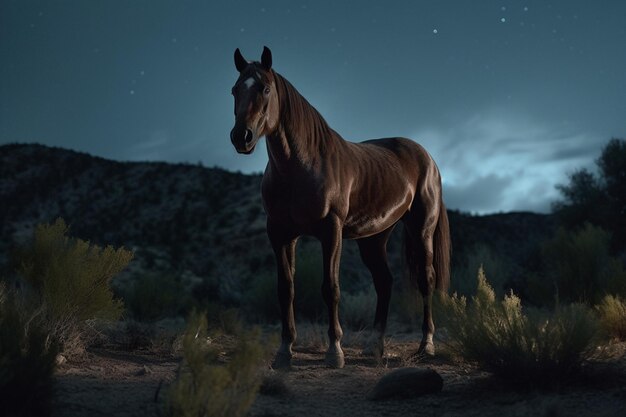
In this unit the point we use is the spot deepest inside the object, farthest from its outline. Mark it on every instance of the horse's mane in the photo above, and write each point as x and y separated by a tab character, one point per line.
301	120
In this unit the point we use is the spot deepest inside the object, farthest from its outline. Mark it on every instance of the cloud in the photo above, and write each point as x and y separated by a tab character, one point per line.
161	145
156	147
473	193
495	161
490	162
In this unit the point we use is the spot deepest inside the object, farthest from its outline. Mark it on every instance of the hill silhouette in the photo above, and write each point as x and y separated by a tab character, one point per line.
206	224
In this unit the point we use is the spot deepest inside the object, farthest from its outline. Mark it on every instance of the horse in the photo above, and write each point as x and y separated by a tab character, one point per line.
318	184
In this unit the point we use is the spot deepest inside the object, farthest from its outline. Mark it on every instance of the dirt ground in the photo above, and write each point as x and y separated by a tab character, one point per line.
110	382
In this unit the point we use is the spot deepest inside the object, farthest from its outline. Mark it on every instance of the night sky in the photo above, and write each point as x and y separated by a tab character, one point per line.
508	96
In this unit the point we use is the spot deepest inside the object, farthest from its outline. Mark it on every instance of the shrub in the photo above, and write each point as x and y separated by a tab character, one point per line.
70	278
463	274
27	362
260	303
309	303
357	310
206	387
612	312
155	296
580	268
598	198
406	305
533	348
261	300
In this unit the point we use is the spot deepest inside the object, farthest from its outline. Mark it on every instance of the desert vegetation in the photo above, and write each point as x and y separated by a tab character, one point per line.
27	360
534	298
62	287
212	382
572	293
532	346
612	312
66	282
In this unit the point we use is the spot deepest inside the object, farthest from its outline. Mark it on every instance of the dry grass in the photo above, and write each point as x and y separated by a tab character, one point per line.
312	336
357	310
612	312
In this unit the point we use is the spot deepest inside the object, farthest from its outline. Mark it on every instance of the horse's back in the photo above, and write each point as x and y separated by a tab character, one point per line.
398	152
388	174
400	146
417	165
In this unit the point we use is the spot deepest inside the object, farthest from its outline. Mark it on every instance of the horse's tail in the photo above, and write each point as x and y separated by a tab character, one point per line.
441	254
442	249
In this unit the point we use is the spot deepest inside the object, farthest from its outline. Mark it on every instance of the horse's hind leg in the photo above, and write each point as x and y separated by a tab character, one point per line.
330	237
373	251
420	228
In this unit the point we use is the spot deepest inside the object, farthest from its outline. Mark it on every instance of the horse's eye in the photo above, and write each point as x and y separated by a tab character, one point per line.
266	90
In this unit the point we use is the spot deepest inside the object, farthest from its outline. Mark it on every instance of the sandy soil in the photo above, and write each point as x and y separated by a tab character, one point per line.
113	383
125	384
319	391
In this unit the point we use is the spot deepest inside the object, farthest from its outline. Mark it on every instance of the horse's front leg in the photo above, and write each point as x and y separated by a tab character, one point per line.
331	251
284	245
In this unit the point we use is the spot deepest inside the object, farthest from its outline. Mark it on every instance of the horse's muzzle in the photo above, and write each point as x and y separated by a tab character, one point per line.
242	140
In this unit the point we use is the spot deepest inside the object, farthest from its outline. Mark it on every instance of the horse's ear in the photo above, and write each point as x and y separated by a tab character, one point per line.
240	61
266	58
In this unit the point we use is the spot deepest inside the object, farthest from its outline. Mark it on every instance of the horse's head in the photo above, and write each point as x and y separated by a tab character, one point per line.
256	101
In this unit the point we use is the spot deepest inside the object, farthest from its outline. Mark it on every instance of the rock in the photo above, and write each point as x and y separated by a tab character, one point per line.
407	383
143	371
60	359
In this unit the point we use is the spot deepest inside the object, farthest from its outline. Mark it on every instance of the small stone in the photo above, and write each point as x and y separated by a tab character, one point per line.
143	371
407	383
60	359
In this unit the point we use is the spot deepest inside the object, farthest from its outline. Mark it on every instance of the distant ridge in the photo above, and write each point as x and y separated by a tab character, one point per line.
204	222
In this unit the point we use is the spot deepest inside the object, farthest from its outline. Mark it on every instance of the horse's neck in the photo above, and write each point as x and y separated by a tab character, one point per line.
303	138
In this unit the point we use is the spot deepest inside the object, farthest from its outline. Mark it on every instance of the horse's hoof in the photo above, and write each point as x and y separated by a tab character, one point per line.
334	357
426	349
335	361
282	361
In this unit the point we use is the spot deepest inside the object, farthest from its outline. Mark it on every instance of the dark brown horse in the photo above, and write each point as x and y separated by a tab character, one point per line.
318	184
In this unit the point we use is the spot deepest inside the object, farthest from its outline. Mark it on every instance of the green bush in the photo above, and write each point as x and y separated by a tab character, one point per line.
406	305
260	303
206	385
70	279
598	198
580	268
155	296
534	348
612	312
260	300
27	362
309	304
357	310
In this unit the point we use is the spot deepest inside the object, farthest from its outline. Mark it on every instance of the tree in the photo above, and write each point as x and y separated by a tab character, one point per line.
612	164
584	199
598	199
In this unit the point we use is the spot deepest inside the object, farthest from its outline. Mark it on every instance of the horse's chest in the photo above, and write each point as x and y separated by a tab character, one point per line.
299	204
